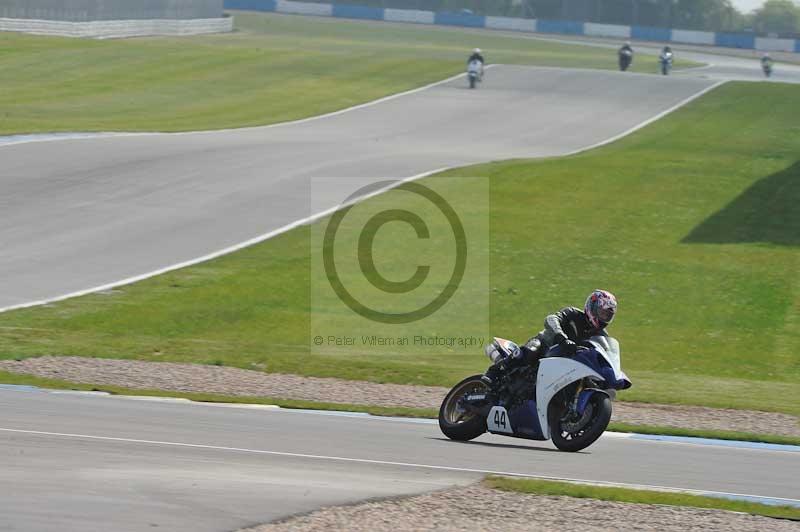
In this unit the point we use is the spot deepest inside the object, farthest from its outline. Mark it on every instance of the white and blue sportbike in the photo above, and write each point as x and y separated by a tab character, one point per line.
566	398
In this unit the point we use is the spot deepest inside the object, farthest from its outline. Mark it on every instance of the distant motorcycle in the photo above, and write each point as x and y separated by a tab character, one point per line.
666	62
767	68
566	399
625	59
474	73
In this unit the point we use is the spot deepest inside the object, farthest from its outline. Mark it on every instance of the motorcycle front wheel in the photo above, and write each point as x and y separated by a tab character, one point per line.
571	433
454	421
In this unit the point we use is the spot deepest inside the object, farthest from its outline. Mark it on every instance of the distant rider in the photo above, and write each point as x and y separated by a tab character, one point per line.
477	56
666	53
766	64
625	56
567	328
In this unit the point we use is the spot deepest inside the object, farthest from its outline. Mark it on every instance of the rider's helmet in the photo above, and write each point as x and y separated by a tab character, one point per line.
600	308
667	48
476	51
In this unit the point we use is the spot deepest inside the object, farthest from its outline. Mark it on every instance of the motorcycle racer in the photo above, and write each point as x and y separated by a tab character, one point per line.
477	55
567	328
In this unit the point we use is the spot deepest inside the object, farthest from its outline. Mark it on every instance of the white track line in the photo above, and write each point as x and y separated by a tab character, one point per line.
721	494
654	438
314	217
649	121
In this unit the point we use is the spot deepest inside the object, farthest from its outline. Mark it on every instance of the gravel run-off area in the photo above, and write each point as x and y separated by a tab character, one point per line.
481	508
201	378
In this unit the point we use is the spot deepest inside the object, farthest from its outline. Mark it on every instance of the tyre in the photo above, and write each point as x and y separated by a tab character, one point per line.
573	435
472	82
456	423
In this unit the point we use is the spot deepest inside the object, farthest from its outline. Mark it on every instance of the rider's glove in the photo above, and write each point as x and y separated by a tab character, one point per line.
569	346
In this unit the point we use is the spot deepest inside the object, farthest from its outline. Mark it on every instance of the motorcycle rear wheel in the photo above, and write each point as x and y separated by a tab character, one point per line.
454	422
576	440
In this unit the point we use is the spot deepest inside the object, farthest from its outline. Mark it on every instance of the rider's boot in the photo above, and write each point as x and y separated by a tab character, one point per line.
494	374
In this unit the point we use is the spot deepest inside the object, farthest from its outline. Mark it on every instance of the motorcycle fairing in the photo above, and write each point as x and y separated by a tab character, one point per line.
499	422
608	348
521	421
555	374
525	421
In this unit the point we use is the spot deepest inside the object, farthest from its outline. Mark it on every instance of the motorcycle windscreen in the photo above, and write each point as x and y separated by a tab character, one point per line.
608	348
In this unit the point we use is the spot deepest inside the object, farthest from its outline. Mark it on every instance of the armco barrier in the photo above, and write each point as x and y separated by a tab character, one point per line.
606	30
460	19
735	40
353	11
251	5
644	33
414	16
512	24
775	45
693	37
559	26
647	33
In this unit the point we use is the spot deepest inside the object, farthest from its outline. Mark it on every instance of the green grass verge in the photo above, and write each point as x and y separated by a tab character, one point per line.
429	413
568	489
56	384
693	222
702	433
274	68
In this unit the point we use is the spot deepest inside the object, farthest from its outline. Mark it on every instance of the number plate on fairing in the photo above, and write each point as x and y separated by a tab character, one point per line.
498	421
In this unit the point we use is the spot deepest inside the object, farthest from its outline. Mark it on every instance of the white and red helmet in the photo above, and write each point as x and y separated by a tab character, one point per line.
600	308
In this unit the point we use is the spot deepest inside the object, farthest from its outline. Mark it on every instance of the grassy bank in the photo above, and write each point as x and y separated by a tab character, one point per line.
273	68
568	489
693	222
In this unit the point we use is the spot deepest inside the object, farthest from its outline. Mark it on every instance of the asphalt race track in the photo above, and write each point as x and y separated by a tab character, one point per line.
71	462
77	214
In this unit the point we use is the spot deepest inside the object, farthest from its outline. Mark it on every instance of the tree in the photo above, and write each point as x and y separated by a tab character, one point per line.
778	16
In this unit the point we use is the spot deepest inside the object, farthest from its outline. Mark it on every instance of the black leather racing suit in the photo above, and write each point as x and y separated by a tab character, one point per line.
476	57
569	323
623	58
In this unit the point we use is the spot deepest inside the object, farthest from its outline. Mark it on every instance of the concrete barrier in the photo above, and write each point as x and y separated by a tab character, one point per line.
735	40
93	10
408	15
511	24
693	37
460	19
116	29
607	30
649	33
567	27
774	45
251	5
304	8
354	11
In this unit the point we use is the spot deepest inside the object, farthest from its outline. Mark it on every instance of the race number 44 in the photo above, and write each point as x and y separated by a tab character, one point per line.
498	421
